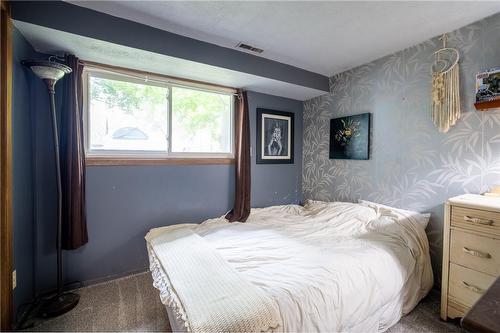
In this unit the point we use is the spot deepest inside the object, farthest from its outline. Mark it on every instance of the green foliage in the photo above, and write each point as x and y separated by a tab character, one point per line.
192	109
127	96
196	110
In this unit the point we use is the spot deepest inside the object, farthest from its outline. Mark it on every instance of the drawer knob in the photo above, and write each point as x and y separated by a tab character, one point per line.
476	253
472	287
477	220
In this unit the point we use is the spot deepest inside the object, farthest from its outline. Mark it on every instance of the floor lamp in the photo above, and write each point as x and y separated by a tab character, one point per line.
50	72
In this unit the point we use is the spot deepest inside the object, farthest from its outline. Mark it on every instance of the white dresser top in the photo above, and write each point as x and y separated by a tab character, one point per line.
476	201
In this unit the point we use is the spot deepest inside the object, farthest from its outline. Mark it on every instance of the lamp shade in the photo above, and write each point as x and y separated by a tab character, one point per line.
47	70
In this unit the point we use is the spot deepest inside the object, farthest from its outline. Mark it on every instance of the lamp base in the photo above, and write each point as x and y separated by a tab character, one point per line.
59	304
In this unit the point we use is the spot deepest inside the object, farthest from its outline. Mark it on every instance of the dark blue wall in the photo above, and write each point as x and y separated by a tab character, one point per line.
124	202
23	163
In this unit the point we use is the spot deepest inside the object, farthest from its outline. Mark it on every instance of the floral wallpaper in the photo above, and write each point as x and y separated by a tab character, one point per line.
411	164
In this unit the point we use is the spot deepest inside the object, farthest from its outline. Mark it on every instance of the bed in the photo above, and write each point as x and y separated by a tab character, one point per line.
321	267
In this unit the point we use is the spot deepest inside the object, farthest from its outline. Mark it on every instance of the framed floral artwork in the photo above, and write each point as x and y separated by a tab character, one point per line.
274	137
350	137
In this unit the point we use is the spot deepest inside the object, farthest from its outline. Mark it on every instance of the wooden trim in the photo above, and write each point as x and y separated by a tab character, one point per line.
163	77
446	261
487	105
6	167
96	161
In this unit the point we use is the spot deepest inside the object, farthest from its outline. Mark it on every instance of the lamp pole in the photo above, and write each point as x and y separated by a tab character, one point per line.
50	72
55	135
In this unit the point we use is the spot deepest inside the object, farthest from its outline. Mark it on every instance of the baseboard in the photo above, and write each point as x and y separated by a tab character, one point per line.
108	278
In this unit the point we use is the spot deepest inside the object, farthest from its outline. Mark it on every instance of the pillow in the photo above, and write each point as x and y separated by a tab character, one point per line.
422	219
362	213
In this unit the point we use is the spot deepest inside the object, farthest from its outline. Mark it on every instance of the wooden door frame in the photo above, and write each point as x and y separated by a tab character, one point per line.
6	167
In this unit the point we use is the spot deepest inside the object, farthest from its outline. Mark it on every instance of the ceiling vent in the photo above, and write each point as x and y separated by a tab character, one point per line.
249	48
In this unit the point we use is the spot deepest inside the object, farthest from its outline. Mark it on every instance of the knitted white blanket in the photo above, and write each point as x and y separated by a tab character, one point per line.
214	296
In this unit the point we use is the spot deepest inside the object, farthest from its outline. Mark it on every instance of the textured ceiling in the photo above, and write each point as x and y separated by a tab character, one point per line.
323	37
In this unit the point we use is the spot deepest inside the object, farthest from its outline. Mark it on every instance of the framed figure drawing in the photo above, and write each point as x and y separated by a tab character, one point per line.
274	137
350	137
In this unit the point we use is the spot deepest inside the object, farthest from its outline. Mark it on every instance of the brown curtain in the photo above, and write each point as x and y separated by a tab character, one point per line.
74	225
241	208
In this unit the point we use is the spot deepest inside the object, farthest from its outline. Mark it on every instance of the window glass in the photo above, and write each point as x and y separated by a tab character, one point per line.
201	121
127	116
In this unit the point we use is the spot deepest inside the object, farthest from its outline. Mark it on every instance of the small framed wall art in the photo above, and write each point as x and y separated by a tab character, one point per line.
350	137
275	131
488	90
488	85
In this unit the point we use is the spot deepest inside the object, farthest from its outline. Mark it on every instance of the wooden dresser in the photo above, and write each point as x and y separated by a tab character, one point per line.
471	251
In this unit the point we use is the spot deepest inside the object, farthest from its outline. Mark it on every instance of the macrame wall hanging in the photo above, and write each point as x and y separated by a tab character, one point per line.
445	87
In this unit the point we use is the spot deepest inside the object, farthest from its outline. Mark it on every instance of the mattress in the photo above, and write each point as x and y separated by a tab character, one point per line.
327	266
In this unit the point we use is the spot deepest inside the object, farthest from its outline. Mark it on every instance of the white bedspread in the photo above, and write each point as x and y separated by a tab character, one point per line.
328	266
215	297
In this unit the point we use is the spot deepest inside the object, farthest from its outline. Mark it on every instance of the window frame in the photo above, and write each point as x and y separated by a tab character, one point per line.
142	157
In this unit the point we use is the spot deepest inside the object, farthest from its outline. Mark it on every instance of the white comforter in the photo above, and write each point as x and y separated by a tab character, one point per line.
328	266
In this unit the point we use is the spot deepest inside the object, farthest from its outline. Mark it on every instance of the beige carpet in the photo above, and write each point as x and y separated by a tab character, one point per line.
127	304
133	304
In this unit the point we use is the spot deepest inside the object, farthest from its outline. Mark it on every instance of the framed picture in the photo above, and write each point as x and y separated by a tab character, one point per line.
274	137
350	137
488	85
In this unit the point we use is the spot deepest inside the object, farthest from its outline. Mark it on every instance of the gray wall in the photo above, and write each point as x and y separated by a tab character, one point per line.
412	165
124	202
23	181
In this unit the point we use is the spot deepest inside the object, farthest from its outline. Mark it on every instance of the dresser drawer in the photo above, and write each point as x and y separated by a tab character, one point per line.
467	285
476	252
456	309
476	219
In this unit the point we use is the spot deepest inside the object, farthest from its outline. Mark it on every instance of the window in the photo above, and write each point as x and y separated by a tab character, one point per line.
200	121
127	116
